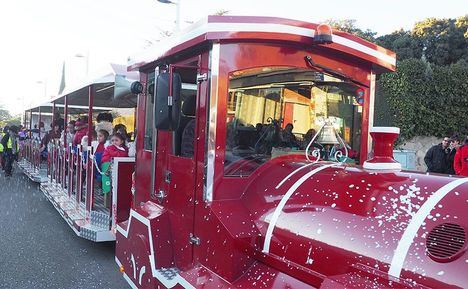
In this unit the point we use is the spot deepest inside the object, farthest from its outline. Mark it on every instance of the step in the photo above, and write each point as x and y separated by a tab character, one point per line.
100	220
96	234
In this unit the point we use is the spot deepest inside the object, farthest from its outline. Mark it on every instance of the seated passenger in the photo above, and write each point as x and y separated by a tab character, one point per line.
81	129
98	147
70	133
54	133
122	130
243	147
84	141
116	149
288	139
132	146
269	138
104	122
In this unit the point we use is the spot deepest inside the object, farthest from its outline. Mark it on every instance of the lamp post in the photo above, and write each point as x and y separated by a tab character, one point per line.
177	4
79	55
43	82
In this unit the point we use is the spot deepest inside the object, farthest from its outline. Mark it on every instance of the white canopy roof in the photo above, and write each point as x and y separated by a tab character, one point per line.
103	87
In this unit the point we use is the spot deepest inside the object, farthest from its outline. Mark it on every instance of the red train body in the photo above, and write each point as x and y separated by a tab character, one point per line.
231	188
208	221
231	217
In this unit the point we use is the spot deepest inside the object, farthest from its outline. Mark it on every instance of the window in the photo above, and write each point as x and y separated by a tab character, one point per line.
272	111
183	137
149	112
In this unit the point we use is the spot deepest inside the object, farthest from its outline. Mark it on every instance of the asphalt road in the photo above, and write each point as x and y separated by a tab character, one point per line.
39	250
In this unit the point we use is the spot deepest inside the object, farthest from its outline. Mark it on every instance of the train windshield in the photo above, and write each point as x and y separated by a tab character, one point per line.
273	111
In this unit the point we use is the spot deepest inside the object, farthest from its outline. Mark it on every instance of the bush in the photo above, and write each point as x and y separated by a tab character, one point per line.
425	99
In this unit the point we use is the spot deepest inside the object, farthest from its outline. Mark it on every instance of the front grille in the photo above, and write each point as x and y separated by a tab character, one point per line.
445	242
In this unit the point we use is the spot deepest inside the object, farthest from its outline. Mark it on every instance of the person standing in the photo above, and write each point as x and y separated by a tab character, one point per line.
460	163
436	157
11	149
4	131
452	150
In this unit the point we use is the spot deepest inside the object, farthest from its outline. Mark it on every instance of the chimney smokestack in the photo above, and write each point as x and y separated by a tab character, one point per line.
383	139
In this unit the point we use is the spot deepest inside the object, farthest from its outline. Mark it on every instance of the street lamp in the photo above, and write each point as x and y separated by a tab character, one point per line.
79	55
177	4
43	82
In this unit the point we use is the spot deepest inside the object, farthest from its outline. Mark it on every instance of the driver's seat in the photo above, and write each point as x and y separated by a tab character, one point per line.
186	129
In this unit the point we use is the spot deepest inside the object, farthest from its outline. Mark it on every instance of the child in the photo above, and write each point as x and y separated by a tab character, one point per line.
116	149
98	148
81	130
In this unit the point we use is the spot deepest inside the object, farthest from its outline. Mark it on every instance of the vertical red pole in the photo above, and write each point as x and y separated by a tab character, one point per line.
79	176
65	143
39	122
89	202
53	114
90	112
30	123
71	161
65	122
134	123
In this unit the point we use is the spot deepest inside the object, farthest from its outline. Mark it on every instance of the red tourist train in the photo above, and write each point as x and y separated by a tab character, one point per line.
258	166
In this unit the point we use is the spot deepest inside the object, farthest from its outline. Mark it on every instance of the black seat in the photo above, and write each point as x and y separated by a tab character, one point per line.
183	146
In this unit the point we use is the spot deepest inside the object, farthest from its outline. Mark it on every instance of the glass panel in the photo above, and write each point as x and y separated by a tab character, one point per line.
149	113
272	111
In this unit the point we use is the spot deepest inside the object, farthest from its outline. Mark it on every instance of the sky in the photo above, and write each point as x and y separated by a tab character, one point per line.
38	37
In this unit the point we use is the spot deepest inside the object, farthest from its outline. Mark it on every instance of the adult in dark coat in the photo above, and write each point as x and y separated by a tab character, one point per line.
452	150
437	156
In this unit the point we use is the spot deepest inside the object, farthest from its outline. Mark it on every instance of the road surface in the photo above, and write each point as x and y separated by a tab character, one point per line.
39	250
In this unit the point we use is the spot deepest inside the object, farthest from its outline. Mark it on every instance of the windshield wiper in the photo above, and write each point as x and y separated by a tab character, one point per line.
330	71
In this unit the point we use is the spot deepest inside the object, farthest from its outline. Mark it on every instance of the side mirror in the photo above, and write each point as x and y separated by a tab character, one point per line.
167	106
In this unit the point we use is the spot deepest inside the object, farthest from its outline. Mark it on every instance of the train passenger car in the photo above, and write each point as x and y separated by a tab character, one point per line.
69	173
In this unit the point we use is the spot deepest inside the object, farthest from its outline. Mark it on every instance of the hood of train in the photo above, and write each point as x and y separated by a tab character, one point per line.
335	219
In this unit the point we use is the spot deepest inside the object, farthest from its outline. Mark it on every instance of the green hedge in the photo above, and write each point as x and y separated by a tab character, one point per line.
424	99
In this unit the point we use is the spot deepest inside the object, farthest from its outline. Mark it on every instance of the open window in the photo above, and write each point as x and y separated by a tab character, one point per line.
175	107
274	111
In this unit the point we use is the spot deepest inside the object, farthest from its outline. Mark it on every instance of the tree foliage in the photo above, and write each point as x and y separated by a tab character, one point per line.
403	43
4	115
427	99
7	119
439	41
349	25
444	40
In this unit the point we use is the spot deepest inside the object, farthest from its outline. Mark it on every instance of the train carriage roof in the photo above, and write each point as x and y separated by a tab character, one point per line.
246	28
72	109
104	90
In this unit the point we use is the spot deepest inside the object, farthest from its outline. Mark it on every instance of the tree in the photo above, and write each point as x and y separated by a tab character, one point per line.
444	40
5	116
403	43
426	99
349	25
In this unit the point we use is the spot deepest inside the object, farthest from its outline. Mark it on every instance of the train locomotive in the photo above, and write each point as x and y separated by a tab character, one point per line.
230	192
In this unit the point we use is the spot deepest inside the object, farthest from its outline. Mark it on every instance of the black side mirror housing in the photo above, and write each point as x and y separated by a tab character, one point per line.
167	107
